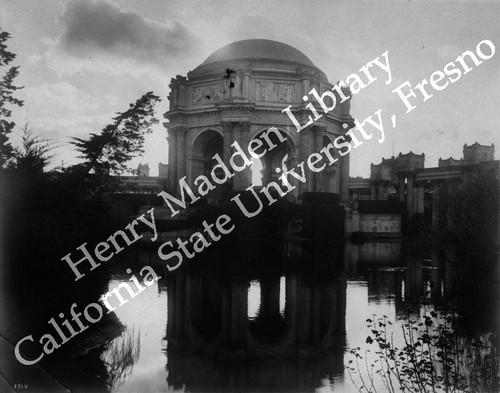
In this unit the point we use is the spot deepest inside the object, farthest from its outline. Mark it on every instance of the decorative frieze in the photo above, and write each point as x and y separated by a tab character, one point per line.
274	92
209	94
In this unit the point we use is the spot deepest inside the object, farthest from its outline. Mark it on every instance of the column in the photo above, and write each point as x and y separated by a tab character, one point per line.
244	178
227	135
380	195
435	207
172	161
318	177
401	190
292	163
246	86
355	221
235	137
305	86
181	153
227	130
419	198
373	192
386	191
344	178
306	143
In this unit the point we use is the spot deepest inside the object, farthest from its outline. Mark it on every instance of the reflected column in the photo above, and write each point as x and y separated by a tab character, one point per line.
410	196
234	321
269	322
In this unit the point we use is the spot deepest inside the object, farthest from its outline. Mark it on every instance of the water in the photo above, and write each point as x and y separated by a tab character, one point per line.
263	317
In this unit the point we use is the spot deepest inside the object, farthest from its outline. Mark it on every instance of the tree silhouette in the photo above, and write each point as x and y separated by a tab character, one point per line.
34	154
120	141
7	90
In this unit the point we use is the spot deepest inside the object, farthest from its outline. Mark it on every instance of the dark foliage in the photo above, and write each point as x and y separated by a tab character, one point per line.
7	99
471	242
120	141
434	357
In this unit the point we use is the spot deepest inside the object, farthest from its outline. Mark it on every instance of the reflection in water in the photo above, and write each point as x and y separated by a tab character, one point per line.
146	316
213	345
255	301
120	357
260	316
390	279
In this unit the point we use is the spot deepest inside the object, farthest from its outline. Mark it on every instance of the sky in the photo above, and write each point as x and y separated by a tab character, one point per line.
82	61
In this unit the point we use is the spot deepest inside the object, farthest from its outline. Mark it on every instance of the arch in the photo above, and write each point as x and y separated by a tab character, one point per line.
205	144
291	139
197	142
279	156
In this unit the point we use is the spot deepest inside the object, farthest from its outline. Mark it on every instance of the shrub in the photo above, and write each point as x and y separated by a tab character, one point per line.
433	358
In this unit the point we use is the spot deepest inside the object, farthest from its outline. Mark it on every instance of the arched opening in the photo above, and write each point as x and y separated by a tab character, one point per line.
205	146
256	170
280	150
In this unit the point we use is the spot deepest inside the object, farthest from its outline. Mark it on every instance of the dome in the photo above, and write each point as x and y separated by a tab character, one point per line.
258	49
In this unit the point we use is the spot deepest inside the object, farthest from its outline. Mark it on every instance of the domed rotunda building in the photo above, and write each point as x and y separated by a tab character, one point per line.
237	94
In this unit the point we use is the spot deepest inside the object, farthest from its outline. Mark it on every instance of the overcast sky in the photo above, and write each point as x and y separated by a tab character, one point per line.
82	61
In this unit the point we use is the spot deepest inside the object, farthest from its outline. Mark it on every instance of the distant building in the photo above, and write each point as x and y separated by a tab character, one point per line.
410	161
143	170
359	189
443	163
382	176
383	181
477	153
473	154
142	183
405	178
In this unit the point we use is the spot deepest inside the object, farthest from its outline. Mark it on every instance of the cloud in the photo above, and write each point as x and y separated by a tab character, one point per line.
58	60
56	99
98	26
61	110
62	130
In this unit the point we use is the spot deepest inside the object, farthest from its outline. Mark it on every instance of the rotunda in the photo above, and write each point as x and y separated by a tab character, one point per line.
237	94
